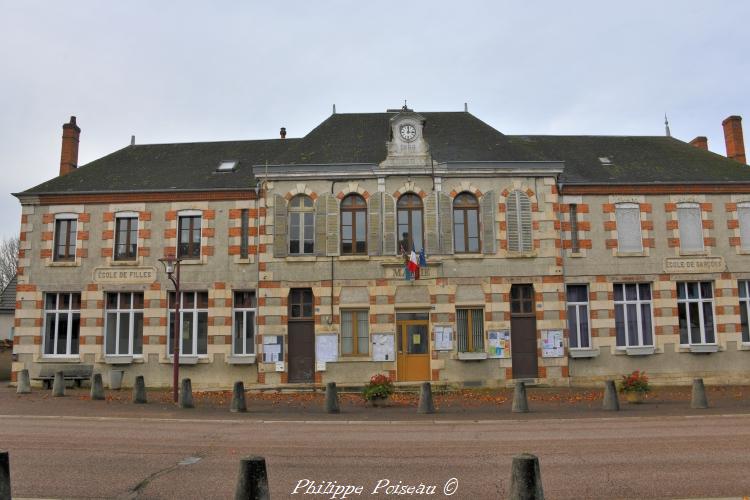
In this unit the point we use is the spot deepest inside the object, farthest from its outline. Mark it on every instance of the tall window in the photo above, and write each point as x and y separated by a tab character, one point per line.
744	286
65	238
695	306
300	303
301	225
193	323
518	215
353	225
126	237
691	227
243	342
628	217
189	237
123	324
244	232
355	333
62	323
410	222
743	213
466	223
578	317
633	323
470	329
575	246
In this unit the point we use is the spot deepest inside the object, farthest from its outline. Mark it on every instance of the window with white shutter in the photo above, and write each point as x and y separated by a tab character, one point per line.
628	216
518	214
691	227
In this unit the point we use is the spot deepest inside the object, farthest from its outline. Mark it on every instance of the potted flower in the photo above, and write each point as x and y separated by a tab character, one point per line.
378	390
635	386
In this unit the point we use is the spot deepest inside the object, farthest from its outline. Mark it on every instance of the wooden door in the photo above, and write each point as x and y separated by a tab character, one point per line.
413	344
301	336
523	331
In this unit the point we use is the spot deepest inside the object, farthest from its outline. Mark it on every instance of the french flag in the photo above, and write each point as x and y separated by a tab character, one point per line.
413	264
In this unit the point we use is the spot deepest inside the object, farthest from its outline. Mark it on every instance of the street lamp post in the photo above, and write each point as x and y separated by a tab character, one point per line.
172	268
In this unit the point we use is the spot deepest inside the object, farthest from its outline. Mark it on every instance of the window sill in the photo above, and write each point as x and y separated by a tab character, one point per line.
191	262
301	258
743	251
472	356
583	353
345	258
118	360
630	254
247	359
693	253
703	348
576	255
59	359
745	346
640	351
468	256
125	263
64	264
186	360
521	255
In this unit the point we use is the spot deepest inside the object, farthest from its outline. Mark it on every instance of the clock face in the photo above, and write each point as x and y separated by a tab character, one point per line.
408	132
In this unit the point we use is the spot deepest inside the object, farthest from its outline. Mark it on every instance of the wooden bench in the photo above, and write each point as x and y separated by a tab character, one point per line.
76	373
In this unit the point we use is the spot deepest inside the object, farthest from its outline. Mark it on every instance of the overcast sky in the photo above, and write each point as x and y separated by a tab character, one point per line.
206	71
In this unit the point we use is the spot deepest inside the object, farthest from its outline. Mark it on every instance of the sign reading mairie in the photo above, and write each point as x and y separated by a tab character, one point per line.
124	275
694	264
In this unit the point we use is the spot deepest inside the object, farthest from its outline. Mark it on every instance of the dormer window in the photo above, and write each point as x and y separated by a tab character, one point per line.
227	166
605	160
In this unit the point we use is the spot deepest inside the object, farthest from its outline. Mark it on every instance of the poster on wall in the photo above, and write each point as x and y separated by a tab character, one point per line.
327	348
272	349
383	347
443	338
552	344
499	341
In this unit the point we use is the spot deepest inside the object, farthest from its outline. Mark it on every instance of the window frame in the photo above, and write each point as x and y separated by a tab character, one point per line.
355	332
353	210
743	289
192	245
701	313
196	311
463	208
743	207
470	340
525	235
300	212
638	302
578	305
297	297
244	311
117	311
621	235
70	312
71	232
575	243
244	233
410	209
690	205
129	216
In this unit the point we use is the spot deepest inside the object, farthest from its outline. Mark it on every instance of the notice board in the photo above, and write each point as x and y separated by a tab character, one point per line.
552	344
326	348
383	347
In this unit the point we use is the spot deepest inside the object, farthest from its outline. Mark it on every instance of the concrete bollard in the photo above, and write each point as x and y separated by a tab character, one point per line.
610	401
24	382
425	399
4	475
58	386
186	394
252	483
520	404
238	398
332	398
97	387
525	478
699	400
139	391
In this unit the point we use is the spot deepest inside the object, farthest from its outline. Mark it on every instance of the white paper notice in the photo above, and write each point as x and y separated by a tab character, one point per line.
443	338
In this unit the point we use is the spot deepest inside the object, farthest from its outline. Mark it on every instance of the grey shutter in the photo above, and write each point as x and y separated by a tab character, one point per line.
487	214
518	213
389	225
332	225
446	223
524	208
511	222
374	225
431	224
320	226
280	246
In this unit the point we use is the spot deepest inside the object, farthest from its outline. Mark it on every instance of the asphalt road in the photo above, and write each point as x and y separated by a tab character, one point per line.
636	457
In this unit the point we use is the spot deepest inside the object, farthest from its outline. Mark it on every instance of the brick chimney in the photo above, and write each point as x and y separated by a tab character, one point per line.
700	142
733	138
69	155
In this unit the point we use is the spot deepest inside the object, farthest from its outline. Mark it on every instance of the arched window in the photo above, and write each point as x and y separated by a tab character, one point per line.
466	223
301	225
410	222
518	214
353	225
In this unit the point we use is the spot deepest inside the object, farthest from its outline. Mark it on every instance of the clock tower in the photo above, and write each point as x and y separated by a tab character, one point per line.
407	147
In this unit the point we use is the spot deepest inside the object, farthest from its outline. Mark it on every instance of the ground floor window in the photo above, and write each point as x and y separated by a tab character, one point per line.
578	316
355	333
123	324
193	323
633	322
62	323
244	323
695	305
744	286
470	330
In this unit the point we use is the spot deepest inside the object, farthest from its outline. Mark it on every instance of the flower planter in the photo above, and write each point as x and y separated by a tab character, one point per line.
635	397
379	402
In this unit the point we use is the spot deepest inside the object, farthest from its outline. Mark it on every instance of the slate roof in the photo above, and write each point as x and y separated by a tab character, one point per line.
362	137
8	296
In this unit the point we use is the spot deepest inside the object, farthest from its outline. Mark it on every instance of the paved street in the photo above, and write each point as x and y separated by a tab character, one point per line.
130	457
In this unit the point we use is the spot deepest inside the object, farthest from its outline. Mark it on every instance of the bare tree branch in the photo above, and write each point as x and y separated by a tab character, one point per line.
8	260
